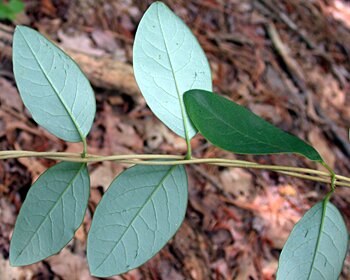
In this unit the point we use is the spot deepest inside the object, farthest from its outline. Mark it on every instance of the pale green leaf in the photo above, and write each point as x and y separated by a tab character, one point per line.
168	60
317	246
51	213
234	128
52	86
140	212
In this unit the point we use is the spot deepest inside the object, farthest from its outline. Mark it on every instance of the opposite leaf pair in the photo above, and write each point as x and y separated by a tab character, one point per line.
143	207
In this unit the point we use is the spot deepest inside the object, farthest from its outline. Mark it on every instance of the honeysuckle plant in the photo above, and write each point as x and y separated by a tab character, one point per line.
146	204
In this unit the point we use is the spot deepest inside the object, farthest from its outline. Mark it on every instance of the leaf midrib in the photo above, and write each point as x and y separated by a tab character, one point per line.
182	107
70	114
242	133
137	215
324	208
51	209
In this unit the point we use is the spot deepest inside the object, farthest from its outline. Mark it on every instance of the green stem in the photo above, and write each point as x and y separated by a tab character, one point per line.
84	153
324	208
179	95
303	173
189	149
327	197
332	175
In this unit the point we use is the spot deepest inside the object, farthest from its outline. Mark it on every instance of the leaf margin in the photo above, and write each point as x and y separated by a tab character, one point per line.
19	32
314	155
189	129
93	271
82	168
324	204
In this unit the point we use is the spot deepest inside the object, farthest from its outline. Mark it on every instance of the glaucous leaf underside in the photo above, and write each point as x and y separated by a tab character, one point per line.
168	61
52	86
316	247
142	209
51	213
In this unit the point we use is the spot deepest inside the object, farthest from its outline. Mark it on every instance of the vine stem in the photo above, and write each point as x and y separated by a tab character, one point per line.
332	175
189	149
84	153
157	159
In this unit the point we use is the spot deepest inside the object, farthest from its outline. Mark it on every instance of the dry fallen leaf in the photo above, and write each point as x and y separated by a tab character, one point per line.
33	165
317	139
328	89
238	182
340	10
287	190
69	266
246	269
104	40
104	174
221	267
276	217
158	136
267	112
120	137
9	95
74	147
81	43
168	271
8	272
7	212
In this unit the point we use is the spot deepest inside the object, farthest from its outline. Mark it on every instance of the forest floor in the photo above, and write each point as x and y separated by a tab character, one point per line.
287	61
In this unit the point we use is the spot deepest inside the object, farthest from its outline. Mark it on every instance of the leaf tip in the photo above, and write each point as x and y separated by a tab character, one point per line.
160	5
93	271
98	271
15	258
18	29
94	267
12	258
21	28
14	255
23	31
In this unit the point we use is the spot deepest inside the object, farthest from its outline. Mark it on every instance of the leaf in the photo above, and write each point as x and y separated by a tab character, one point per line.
52	86
140	212
10	9
168	60
17	6
51	213
6	12
234	128
316	247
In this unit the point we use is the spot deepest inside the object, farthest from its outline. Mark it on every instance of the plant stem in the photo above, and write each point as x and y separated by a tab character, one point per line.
332	174
189	149
303	173
83	155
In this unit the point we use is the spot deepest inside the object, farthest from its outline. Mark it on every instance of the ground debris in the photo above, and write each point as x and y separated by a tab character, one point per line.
287	61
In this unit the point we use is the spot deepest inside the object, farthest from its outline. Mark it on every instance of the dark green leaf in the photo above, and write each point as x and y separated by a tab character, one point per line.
51	213
234	128
140	212
317	246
